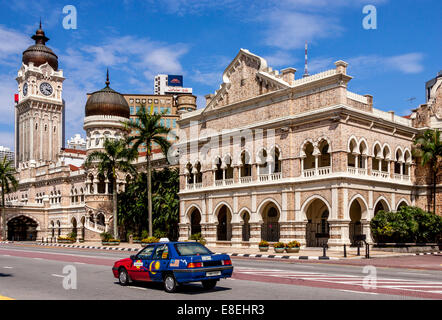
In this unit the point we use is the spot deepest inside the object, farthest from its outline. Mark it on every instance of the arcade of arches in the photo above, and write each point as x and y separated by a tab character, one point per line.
315	228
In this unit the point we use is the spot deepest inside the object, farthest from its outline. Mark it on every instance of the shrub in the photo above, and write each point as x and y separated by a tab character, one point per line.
279	245
198	237
263	243
160	234
150	240
293	244
105	236
144	234
72	235
408	224
66	238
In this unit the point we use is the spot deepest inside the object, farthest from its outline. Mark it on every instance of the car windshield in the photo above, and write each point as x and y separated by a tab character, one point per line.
191	249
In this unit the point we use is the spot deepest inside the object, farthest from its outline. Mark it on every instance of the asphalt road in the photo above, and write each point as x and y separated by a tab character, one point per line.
33	272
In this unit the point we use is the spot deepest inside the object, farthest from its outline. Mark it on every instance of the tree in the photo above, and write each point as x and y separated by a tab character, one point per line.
408	224
166	202
115	157
148	130
8	183
132	204
428	148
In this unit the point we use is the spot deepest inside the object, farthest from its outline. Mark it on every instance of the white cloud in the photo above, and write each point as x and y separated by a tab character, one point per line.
13	44
7	139
280	58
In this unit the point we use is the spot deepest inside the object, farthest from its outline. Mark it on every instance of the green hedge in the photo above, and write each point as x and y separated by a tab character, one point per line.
408	224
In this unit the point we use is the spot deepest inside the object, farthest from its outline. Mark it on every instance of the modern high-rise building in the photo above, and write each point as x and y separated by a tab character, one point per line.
6	152
170	84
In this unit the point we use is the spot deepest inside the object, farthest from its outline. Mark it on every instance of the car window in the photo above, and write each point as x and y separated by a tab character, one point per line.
162	252
191	249
146	253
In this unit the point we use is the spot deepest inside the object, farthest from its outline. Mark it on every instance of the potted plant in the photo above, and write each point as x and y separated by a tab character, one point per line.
136	240
65	239
263	246
105	237
112	242
149	240
293	247
279	247
199	238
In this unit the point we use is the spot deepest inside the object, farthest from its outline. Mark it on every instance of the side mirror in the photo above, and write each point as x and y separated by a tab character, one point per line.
132	257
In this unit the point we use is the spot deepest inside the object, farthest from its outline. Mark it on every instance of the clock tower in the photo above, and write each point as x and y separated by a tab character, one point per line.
39	114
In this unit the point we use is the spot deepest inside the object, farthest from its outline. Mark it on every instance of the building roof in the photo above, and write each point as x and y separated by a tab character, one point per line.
39	53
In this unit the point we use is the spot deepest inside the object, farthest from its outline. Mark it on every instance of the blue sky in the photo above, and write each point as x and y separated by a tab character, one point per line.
137	39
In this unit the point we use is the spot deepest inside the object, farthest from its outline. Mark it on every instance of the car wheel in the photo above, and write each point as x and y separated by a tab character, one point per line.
170	283
123	277
209	284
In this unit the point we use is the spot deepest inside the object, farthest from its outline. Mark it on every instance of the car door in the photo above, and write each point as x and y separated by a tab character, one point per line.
160	262
140	264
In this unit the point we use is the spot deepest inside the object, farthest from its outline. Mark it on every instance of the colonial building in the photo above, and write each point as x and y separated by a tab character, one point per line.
275	157
56	195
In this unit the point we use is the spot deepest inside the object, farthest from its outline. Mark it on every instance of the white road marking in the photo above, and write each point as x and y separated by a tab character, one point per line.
140	288
57	275
7	267
358	291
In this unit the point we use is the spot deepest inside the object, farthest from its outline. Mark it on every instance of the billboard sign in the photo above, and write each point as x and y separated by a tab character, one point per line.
174	81
178	90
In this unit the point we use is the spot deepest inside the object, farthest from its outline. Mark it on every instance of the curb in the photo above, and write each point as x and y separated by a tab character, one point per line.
272	256
243	255
88	247
429	253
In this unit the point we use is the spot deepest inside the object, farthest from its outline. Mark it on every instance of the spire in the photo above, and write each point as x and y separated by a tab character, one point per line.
107	78
39	36
305	68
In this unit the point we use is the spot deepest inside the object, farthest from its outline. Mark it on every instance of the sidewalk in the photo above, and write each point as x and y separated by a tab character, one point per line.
304	254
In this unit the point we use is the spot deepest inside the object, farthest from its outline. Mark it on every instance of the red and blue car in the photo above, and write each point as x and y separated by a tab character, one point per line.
174	263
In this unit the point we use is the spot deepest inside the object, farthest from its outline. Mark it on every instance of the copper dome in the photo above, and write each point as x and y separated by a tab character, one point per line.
38	53
107	102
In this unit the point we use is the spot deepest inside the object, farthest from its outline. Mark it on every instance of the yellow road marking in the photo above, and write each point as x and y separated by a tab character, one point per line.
5	298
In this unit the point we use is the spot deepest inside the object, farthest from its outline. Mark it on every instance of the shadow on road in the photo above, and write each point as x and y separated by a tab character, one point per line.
4	275
188	288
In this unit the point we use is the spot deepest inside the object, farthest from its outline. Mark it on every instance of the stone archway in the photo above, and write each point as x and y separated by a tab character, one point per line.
22	228
245	216
317	228
381	205
356	215
224	228
270	227
195	221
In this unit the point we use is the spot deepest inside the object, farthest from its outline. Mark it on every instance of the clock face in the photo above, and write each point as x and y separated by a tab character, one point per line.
25	89
46	89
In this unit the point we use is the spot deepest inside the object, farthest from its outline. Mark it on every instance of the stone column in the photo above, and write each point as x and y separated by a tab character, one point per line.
236	234
339	234
367	230
255	232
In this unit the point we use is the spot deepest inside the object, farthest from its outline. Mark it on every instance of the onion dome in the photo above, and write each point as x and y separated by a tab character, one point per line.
107	102
38	53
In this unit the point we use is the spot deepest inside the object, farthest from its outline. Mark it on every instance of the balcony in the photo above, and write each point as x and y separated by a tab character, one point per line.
247	179
380	174
321	171
193	186
357	171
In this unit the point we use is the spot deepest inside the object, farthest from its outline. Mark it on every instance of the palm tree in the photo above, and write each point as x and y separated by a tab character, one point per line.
429	150
148	130
115	157
7	180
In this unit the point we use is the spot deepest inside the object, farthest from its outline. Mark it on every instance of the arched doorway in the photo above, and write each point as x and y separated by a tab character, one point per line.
401	204
224	228
381	205
74	226
317	229
355	221
245	216
270	227
82	221
22	228
195	221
